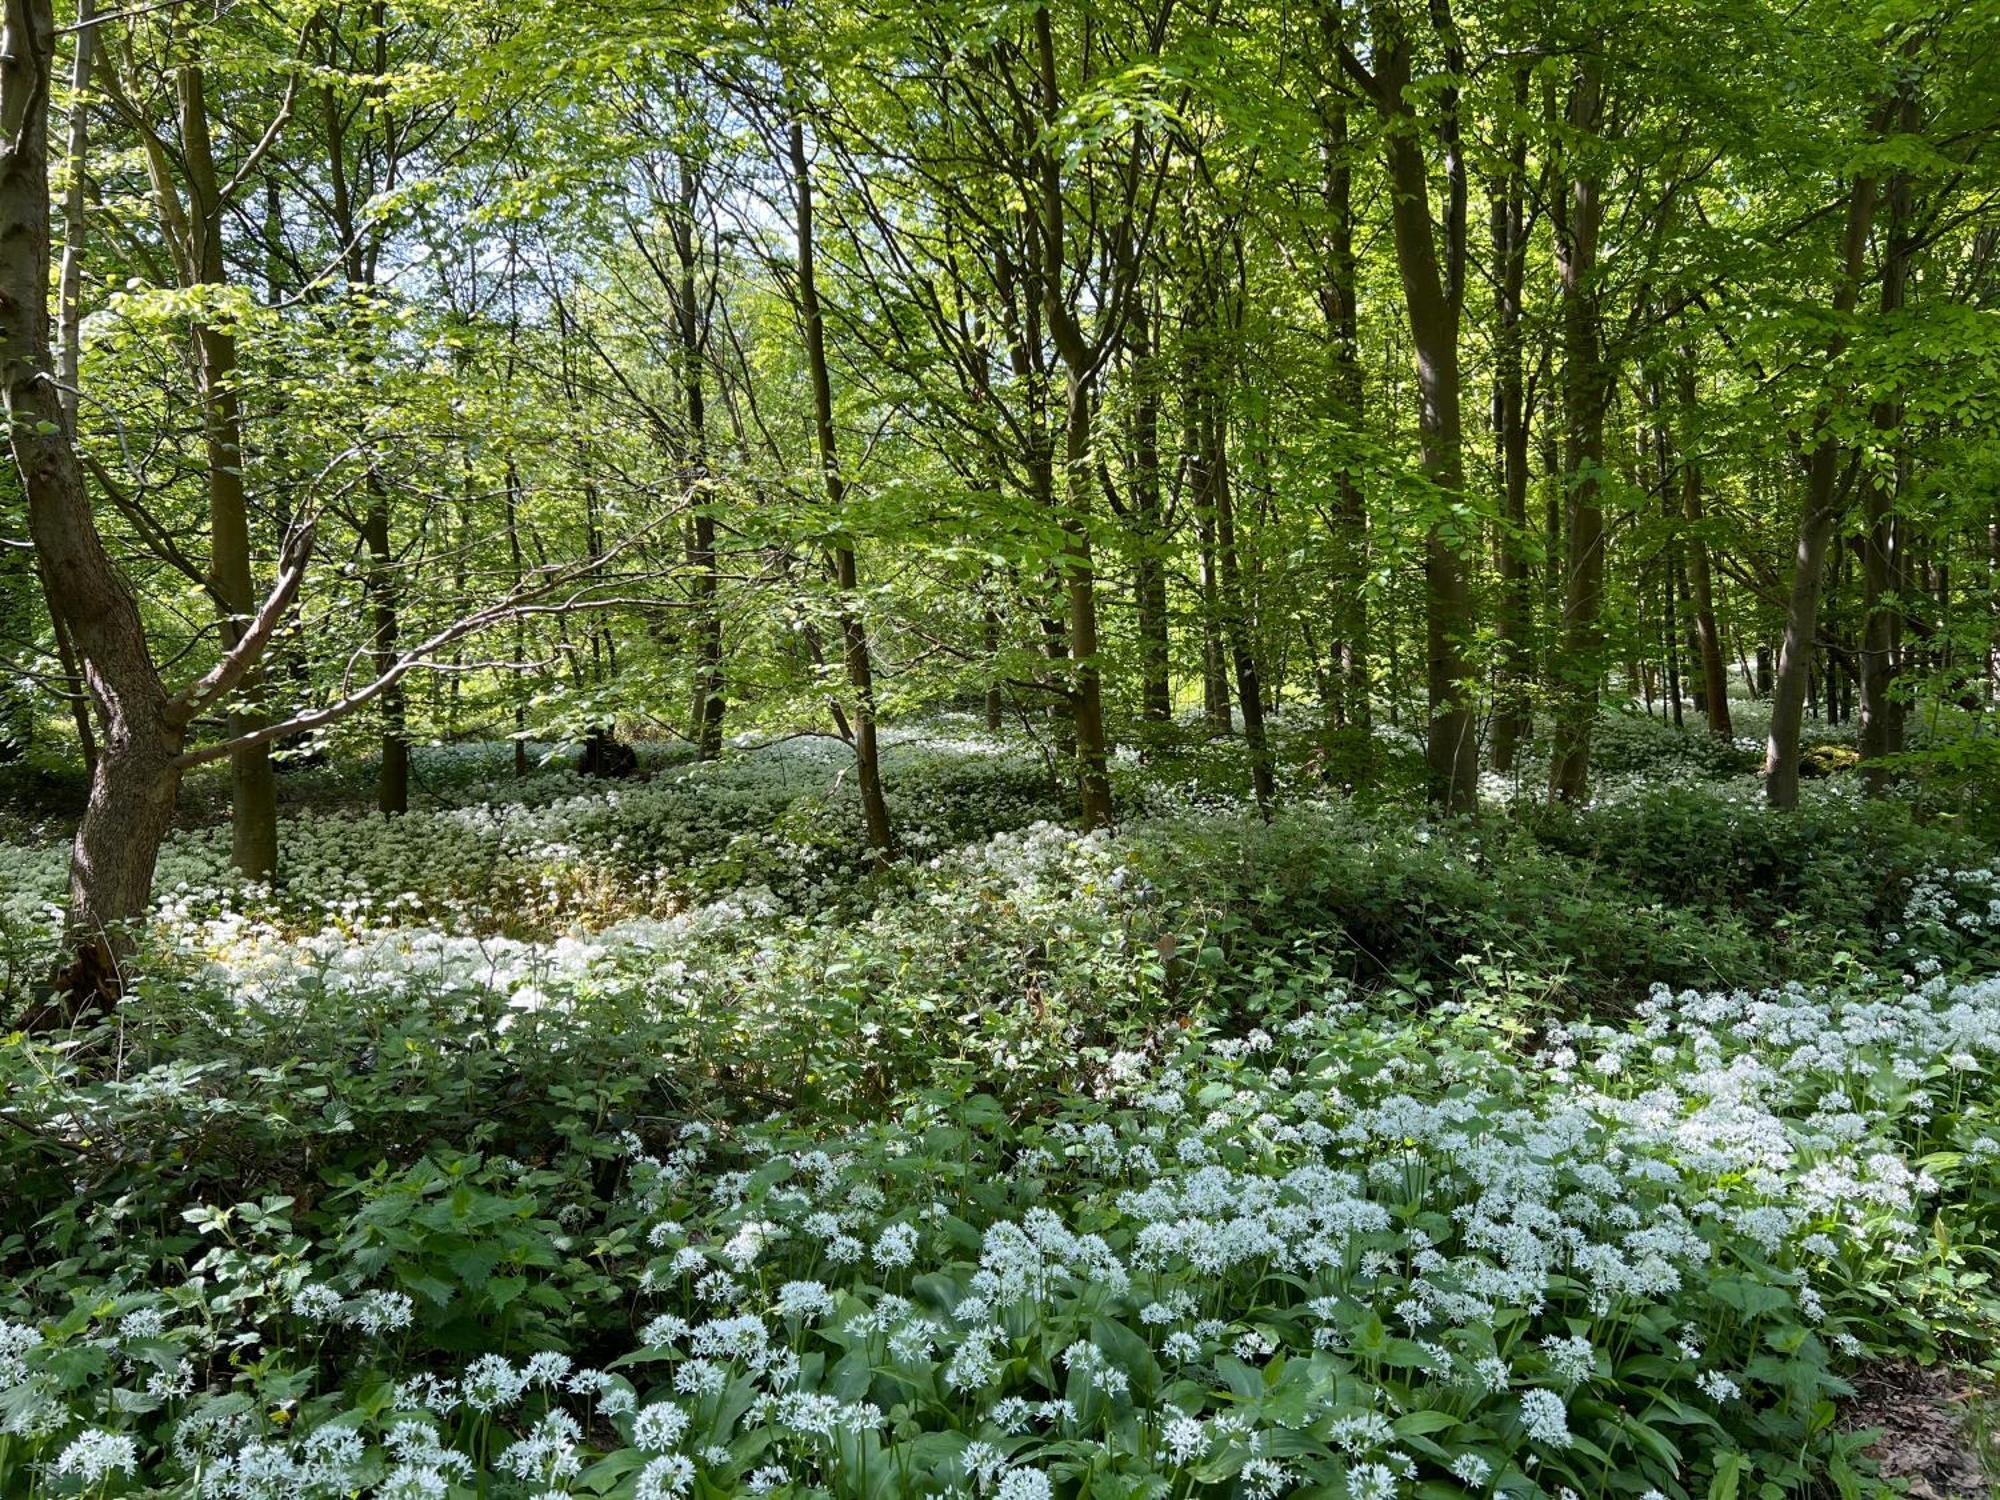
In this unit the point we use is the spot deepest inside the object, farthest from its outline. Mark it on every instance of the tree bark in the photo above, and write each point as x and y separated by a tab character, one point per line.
1816	525
70	303
1882	581
1432	288
1515	623
1348	704
1714	674
1586	390
1214	477
133	789
198	229
1149	570
710	704
853	632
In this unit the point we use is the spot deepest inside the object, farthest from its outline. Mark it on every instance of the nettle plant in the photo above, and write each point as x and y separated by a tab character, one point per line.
1348	1254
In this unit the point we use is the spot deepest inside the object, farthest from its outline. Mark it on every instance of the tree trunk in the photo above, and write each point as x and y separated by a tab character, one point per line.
1431	288
991	642
1214	668
1714	675
1235	613
132	791
1087	677
1586	390
1149	569
853	632
710	704
392	782
1511	719
378	580
1816	525
70	303
1348	697
1881	729
1993	608
253	787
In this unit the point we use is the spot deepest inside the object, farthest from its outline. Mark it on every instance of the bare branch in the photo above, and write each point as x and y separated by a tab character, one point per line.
534	596
249	649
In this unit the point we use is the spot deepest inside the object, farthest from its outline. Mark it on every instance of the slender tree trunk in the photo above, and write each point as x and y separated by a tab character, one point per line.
1881	729
1816	526
1235	611
253	786
1080	363
392	782
1149	571
853	632
518	563
1511	720
1714	675
991	642
1586	391
1431	287
710	704
1087	685
1993	608
378	580
1672	632
1214	669
1348	698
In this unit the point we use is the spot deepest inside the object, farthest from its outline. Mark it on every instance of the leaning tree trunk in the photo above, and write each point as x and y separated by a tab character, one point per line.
70	304
132	792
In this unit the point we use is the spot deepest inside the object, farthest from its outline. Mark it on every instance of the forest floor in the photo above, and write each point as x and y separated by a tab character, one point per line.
640	1139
